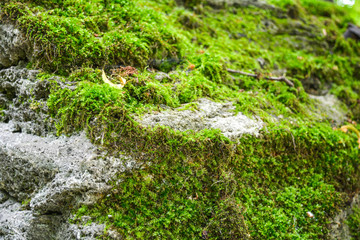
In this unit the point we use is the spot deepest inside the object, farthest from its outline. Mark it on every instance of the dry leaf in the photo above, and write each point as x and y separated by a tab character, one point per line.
106	80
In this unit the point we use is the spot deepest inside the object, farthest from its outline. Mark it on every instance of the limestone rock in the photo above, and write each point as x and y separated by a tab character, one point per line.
23	100
330	108
209	115
52	175
13	46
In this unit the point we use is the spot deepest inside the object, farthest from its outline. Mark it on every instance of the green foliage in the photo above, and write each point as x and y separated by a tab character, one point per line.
198	184
78	33
75	109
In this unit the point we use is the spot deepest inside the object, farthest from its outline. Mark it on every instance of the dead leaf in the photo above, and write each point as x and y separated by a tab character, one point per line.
106	80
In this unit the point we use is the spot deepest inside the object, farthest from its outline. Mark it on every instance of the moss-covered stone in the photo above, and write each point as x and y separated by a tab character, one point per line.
195	185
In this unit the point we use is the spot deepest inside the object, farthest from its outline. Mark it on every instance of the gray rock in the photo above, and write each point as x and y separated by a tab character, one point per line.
84	232
14	222
13	46
161	76
23	100
338	227
328	107
3	197
56	174
209	115
353	32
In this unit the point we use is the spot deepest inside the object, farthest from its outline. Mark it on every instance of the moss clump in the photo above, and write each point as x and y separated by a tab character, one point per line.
68	35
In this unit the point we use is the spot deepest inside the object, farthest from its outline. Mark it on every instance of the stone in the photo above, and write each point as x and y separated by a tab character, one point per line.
23	100
209	115
353	32
51	175
161	76
338	226
14	46
328	107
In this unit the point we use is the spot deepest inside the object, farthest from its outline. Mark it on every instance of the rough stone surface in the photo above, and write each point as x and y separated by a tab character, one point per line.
338	227
330	108
210	115
23	100
83	232
54	174
13	222
13	46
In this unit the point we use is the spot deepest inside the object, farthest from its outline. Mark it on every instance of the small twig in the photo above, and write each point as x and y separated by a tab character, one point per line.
283	78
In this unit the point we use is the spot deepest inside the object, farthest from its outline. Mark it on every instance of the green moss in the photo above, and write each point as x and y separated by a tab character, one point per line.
194	185
67	36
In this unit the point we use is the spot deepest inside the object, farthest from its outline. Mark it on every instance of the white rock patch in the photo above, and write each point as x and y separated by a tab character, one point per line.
209	115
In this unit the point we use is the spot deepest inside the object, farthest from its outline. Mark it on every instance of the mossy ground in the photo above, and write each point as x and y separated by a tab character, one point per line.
197	185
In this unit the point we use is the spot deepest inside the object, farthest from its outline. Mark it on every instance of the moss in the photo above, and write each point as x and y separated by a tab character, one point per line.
194	185
67	36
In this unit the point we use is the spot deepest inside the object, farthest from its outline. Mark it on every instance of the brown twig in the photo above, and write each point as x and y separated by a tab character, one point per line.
283	78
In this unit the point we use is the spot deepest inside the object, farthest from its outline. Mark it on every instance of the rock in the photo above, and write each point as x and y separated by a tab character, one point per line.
53	174
210	115
14	222
14	46
261	62
330	108
353	32
83	232
23	100
338	227
3	197
161	76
